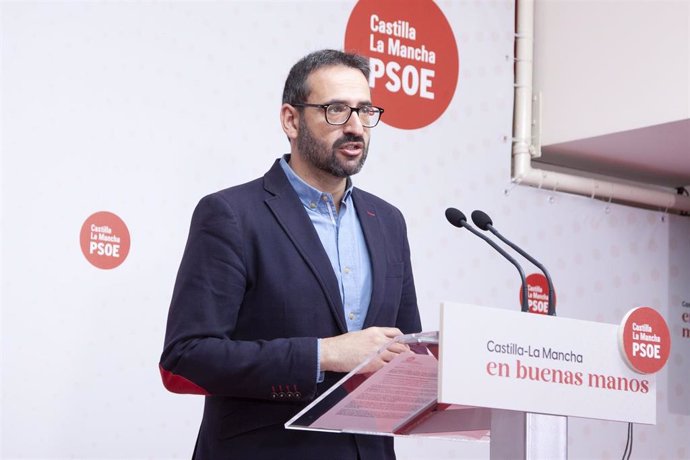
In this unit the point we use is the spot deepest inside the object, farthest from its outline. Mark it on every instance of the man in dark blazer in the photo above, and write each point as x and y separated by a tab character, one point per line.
261	320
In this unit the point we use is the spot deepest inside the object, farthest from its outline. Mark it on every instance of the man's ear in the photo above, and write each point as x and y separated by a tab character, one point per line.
289	120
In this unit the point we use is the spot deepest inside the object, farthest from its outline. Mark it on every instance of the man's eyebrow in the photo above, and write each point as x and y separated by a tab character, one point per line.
342	101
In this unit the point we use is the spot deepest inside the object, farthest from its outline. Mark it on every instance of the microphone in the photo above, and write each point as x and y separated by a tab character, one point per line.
483	221
458	219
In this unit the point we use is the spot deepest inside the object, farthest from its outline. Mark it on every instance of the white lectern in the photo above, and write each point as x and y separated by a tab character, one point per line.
491	375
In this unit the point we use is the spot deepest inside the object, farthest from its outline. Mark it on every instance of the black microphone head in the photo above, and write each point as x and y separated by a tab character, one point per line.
456	217
481	219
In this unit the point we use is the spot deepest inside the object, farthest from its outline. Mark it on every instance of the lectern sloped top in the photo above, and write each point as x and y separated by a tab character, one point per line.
398	400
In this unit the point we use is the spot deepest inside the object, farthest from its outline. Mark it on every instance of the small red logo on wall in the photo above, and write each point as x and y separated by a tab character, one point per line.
104	240
645	340
538	294
413	57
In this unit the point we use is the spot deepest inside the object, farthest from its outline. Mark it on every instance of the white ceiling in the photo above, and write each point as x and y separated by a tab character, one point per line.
658	154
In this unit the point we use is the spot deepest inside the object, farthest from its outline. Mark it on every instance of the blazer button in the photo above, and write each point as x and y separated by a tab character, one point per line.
298	394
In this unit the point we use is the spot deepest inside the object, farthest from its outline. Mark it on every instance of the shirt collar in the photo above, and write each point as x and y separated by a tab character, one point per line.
306	193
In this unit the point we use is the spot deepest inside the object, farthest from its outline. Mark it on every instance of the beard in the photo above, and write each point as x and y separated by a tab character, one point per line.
318	154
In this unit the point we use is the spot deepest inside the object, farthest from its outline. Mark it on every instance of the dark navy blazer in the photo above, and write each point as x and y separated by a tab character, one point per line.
254	290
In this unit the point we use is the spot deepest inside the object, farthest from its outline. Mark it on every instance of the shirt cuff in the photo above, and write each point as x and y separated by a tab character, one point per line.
319	374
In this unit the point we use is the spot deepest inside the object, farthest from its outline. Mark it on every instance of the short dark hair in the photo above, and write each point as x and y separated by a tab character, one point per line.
296	89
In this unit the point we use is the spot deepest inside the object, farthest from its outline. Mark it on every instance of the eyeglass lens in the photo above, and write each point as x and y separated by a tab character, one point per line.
338	114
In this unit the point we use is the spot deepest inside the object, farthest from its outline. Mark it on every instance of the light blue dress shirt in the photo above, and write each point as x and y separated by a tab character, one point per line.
343	240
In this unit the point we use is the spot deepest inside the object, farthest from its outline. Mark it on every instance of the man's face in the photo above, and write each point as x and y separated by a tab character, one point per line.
339	151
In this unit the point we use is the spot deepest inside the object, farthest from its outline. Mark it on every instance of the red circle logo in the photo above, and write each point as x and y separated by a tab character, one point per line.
645	340
104	240
538	294
413	57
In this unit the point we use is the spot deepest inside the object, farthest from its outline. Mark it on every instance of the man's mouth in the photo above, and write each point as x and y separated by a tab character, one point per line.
351	148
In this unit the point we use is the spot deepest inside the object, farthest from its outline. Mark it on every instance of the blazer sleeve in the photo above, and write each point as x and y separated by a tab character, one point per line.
200	355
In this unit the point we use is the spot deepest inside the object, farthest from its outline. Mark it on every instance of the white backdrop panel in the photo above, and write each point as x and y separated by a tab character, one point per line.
142	108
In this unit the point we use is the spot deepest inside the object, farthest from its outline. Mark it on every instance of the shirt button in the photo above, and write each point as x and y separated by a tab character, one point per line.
352	315
324	197
346	270
312	205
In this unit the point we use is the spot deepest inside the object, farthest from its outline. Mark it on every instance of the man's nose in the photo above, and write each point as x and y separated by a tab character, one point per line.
354	124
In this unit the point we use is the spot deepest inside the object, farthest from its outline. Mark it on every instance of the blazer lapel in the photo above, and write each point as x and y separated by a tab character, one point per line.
373	234
290	214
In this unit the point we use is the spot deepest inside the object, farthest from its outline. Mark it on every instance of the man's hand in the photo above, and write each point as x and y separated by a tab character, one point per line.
343	353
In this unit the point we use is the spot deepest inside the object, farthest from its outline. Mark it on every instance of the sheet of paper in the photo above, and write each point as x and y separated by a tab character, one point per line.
387	399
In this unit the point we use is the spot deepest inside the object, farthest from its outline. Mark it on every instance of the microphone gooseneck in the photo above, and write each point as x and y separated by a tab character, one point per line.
483	221
457	218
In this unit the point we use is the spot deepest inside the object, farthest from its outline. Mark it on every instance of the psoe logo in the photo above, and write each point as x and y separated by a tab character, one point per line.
644	340
104	240
413	57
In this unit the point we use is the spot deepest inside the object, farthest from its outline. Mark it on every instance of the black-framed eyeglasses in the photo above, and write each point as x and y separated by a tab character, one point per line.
339	113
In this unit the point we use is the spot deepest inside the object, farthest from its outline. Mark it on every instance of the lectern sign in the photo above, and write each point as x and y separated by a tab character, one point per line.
545	364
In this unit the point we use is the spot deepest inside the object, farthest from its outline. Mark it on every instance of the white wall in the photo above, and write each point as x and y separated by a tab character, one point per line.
142	108
609	66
